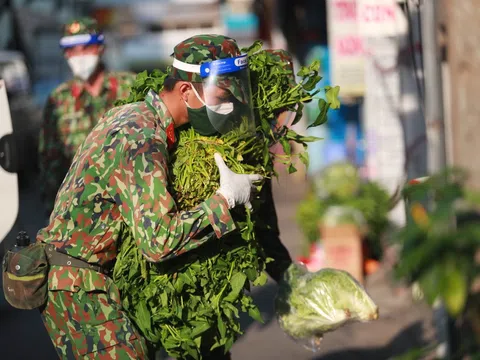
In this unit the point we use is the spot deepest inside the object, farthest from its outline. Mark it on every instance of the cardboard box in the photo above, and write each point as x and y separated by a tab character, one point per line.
342	246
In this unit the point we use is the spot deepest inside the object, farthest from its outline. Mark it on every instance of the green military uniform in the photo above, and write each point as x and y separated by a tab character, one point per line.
70	113
117	188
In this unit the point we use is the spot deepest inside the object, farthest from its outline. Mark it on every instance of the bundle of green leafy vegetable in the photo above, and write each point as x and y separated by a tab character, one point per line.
310	304
190	305
339	185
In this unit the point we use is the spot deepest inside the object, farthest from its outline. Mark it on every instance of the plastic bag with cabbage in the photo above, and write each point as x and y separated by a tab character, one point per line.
311	304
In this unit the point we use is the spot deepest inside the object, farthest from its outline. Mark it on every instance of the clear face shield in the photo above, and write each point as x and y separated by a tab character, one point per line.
227	94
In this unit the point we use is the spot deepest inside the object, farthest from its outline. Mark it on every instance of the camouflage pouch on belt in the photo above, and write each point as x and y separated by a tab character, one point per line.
25	275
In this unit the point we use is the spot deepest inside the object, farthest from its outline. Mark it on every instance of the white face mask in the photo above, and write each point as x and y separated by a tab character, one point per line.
83	66
222	109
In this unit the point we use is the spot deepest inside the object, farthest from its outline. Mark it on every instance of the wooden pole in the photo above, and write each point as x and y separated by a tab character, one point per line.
463	32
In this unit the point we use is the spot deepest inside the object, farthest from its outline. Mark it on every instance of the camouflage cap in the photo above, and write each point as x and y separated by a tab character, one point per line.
82	31
200	49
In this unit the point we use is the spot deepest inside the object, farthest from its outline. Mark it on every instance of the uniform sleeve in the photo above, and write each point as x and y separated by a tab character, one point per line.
269	235
52	160
150	211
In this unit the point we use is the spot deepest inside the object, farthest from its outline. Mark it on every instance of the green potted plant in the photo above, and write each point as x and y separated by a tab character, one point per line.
339	196
440	247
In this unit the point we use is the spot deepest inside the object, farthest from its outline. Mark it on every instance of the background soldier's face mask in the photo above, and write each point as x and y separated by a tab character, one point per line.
83	66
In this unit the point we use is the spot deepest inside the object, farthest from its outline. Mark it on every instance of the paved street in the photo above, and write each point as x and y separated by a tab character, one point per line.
401	324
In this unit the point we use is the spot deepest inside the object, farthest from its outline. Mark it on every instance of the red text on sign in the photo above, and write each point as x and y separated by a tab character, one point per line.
345	10
377	13
349	45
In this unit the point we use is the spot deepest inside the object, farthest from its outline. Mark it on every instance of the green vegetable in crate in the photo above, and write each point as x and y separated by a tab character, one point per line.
308	305
369	198
189	305
340	180
337	215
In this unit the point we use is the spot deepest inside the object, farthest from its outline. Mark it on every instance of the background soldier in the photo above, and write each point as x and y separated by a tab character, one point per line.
75	106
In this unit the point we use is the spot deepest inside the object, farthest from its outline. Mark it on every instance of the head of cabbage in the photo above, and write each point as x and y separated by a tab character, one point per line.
311	304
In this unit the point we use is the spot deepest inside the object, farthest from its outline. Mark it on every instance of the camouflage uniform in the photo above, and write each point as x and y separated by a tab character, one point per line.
116	187
70	113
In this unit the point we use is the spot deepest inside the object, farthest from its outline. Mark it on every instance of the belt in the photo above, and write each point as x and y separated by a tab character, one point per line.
58	258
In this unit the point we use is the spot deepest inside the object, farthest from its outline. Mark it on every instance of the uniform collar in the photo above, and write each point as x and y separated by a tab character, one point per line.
163	116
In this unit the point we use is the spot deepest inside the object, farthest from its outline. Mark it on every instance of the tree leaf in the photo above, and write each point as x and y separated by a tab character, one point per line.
454	290
430	284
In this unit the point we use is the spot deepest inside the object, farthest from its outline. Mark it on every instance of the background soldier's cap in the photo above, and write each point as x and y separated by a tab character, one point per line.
200	49
83	31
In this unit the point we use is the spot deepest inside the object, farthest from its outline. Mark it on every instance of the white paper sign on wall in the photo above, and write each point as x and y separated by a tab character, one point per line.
347	53
380	18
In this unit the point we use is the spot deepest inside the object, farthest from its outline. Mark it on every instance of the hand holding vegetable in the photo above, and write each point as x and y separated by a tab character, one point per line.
235	188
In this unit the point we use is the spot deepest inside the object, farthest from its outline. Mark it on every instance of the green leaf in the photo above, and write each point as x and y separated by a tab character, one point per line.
221	327
291	169
454	290
193	353
298	115
430	284
164	299
228	344
332	96
304	158
199	329
261	280
254	313
323	107
143	315
237	282
286	146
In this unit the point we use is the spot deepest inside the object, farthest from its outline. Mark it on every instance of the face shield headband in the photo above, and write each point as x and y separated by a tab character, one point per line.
82	39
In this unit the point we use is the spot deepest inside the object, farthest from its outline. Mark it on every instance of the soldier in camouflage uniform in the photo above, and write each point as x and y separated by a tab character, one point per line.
116	188
75	106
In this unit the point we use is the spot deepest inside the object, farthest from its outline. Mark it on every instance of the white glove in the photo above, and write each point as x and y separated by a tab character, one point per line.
235	188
